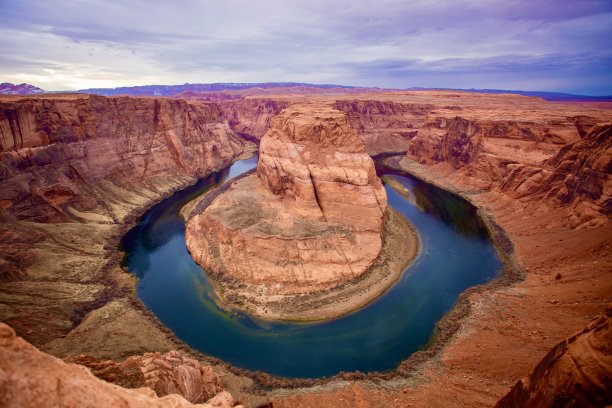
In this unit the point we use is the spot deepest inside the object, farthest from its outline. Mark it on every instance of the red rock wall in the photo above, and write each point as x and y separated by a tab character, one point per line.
53	150
576	373
531	160
384	126
251	117
578	177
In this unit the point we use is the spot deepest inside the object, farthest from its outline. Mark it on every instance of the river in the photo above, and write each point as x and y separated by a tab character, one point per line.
456	254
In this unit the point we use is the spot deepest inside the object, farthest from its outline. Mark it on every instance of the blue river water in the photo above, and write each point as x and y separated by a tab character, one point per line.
456	254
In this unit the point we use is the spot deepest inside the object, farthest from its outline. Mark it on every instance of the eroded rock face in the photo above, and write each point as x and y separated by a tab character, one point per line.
312	217
578	177
251	118
455	140
576	372
563	159
62	156
31	378
312	158
169	373
384	126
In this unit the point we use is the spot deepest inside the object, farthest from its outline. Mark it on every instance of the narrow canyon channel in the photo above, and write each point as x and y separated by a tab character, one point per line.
456	254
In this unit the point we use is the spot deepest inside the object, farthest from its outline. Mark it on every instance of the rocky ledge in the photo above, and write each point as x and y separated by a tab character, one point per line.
29	378
309	222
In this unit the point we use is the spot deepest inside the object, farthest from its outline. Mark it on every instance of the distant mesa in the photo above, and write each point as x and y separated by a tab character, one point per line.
237	90
190	89
6	88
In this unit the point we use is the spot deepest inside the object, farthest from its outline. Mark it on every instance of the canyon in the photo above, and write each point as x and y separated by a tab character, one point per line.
77	170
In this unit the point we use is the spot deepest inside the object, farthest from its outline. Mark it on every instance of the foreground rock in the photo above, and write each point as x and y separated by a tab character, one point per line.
30	378
312	218
576	372
169	373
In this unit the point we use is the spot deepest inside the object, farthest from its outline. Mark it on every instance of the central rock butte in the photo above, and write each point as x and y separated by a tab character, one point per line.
310	220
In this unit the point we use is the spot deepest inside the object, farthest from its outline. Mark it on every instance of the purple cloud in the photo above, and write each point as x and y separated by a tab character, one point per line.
520	44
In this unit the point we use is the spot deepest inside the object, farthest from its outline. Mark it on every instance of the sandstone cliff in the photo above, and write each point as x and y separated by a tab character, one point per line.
576	372
384	126
251	118
31	378
75	171
310	220
528	160
460	140
62	156
312	157
579	178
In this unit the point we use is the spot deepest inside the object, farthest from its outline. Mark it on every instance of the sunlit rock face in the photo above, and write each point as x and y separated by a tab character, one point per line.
310	219
64	158
312	157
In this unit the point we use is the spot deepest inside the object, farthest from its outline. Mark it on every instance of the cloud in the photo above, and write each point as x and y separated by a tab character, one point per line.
527	44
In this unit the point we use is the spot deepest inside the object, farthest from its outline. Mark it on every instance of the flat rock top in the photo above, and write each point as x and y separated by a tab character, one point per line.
250	207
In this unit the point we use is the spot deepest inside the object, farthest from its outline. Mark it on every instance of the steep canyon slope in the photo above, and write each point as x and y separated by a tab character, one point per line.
76	171
541	171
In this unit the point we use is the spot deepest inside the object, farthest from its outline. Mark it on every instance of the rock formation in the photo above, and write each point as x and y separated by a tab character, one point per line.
312	158
310	220
169	373
252	118
59	152
578	176
75	171
31	378
576	372
384	126
529	160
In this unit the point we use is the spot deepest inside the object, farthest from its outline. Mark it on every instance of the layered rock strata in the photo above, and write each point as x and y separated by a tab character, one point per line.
75	171
251	118
32	378
62	155
576	372
312	217
384	126
527	161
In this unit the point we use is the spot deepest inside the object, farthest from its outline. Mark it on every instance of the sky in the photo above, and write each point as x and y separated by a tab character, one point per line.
537	45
